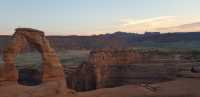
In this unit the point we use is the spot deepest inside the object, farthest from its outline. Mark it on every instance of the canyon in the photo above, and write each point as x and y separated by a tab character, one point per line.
105	73
113	68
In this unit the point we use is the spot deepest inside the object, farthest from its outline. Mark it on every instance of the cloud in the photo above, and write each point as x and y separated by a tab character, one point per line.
155	23
134	22
191	27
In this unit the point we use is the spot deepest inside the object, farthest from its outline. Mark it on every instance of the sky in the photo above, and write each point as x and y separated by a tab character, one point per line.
87	17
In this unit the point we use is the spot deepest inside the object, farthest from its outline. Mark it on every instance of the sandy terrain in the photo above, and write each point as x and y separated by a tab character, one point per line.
186	87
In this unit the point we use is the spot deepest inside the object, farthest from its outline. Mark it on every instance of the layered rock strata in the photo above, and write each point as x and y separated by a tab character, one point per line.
121	67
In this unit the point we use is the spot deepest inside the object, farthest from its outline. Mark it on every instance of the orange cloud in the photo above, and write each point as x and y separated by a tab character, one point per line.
153	24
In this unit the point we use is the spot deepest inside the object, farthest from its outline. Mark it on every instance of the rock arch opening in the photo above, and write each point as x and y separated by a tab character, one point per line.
29	66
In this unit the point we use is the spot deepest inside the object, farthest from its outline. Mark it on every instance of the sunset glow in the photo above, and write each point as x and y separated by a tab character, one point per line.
87	17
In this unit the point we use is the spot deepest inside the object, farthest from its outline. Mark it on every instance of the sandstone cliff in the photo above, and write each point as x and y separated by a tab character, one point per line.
119	67
83	78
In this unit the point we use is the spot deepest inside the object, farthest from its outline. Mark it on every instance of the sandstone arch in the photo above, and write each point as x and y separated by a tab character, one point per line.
51	67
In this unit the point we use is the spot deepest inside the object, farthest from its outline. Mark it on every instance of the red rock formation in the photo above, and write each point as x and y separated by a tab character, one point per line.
52	69
83	78
102	59
110	57
112	65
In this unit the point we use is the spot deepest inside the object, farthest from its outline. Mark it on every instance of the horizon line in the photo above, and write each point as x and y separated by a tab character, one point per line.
139	33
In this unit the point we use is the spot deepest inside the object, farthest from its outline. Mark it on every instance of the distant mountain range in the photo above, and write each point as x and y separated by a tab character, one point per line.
122	40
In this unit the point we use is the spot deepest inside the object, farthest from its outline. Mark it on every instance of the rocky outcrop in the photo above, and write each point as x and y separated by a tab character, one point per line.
121	67
53	80
52	69
131	56
196	69
82	78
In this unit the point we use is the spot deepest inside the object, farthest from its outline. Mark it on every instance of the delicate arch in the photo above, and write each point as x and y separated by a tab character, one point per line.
52	69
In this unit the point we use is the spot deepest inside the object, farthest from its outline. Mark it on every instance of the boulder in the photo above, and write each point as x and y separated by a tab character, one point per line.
195	69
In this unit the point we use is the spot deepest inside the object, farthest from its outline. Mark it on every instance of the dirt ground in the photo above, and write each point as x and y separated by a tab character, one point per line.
185	87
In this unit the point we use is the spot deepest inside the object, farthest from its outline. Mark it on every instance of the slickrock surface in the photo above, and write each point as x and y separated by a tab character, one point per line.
47	89
186	87
176	88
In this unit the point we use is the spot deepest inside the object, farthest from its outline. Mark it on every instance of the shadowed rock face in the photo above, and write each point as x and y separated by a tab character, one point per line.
82	79
29	77
121	67
52	69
